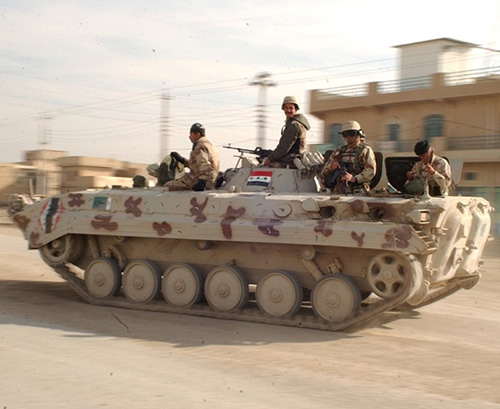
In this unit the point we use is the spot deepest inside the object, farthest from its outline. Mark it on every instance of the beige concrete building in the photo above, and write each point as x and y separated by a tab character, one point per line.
47	172
84	172
457	111
38	175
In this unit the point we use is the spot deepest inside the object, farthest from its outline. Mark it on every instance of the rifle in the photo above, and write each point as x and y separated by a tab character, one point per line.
331	178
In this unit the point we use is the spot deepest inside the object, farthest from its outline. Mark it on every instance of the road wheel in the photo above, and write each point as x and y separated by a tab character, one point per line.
335	298
141	281
226	289
279	294
103	278
182	285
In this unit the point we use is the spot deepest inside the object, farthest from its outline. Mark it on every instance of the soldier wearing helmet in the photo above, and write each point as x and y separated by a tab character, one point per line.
431	168
203	163
352	166
293	135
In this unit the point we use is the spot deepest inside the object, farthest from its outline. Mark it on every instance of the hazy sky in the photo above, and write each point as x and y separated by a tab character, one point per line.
87	76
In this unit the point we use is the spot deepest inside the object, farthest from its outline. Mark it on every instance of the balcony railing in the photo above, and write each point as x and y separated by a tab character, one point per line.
388	87
459	143
359	90
394	86
471	76
477	142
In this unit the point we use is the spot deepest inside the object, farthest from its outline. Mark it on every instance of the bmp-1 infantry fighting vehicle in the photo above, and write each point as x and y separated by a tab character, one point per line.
269	246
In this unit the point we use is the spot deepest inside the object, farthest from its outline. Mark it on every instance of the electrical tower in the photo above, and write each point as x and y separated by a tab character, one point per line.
263	81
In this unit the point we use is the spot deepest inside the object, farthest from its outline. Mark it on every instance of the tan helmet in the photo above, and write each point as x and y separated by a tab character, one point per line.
352	126
290	100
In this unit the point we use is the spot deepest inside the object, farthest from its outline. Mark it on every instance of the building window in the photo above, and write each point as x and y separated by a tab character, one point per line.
393	132
334	138
393	136
433	126
470	176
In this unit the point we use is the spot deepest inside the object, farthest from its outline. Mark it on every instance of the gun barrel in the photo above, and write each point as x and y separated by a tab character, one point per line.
242	150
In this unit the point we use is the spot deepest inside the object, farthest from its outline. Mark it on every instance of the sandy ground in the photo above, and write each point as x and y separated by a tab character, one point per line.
58	352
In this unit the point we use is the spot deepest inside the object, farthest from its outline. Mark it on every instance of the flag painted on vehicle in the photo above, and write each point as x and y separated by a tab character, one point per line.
260	178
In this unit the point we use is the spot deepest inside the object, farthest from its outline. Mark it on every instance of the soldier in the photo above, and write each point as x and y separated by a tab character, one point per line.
293	136
203	163
431	168
167	169
352	166
139	181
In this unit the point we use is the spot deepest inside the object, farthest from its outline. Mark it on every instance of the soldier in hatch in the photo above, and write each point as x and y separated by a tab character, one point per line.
431	168
351	167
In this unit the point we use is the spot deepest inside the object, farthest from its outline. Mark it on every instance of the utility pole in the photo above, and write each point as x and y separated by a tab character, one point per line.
263	81
164	134
44	139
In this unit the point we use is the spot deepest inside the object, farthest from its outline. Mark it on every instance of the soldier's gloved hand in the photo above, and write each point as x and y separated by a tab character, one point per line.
200	185
178	157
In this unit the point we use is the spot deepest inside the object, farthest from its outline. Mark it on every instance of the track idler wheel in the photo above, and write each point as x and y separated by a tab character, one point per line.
65	249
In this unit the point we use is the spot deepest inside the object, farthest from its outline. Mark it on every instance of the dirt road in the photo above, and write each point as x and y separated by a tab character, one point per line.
58	352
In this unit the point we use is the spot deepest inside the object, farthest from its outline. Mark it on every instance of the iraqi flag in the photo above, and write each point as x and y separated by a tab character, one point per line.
260	178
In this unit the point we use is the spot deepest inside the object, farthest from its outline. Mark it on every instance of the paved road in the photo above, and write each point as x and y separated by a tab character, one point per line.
58	352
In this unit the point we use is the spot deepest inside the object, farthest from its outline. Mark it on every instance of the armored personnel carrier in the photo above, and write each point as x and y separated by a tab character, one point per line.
271	245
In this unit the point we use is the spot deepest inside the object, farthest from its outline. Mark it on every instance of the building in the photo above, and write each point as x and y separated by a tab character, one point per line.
50	172
84	172
447	101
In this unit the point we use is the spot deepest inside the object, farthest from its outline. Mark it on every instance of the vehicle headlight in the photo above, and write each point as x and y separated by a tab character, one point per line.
419	216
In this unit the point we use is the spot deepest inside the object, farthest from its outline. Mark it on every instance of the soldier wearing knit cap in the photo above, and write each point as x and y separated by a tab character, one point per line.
431	168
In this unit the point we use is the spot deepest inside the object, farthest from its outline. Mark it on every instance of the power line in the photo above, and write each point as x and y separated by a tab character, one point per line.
134	121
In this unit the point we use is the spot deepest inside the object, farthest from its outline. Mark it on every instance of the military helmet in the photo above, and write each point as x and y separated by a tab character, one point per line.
352	126
290	100
197	127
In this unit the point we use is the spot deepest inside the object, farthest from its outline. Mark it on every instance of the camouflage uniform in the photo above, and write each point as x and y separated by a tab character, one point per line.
203	164
292	141
440	182
359	162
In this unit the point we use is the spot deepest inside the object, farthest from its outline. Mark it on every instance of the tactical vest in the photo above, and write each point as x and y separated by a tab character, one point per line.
356	167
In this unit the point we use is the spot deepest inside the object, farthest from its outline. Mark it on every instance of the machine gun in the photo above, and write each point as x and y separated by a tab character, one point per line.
261	153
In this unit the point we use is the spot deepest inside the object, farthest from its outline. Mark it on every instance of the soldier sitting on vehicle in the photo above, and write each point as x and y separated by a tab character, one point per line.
203	163
168	169
351	167
293	136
